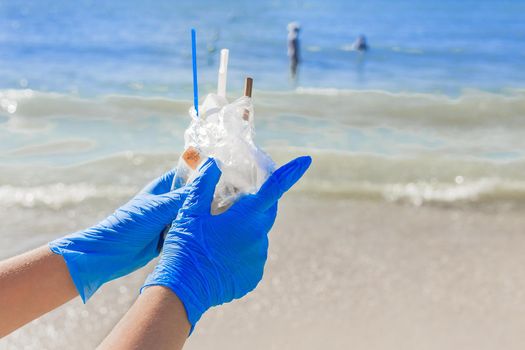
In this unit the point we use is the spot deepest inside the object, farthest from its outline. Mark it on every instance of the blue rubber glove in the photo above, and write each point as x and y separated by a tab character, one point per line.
210	259
123	242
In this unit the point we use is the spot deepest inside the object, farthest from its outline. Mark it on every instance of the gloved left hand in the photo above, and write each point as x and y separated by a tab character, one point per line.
210	259
125	241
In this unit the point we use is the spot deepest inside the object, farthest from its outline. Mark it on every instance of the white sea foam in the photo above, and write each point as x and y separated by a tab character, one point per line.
471	106
58	195
482	190
417	181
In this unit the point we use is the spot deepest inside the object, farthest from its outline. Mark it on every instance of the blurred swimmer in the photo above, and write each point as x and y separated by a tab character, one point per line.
293	47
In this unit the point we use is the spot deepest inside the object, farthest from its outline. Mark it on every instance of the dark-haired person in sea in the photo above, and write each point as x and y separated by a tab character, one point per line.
293	47
360	44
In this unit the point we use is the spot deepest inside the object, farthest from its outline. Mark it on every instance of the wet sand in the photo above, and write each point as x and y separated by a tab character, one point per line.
341	274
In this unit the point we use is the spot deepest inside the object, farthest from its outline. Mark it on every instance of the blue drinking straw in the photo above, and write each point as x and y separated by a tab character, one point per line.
194	61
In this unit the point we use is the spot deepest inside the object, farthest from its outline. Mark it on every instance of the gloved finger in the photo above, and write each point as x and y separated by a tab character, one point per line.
174	200
280	182
160	185
202	188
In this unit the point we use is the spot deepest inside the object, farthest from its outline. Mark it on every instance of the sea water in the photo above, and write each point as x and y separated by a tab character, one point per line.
373	144
143	48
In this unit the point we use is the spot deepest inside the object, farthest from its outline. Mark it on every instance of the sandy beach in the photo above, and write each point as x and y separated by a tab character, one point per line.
341	273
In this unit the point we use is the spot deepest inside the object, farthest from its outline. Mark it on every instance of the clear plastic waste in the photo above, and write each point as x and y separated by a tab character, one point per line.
224	131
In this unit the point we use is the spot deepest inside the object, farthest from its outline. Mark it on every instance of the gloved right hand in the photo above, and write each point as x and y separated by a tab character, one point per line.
210	259
123	242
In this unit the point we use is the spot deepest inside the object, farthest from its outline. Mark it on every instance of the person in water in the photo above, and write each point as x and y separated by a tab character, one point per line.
293	47
205	260
360	44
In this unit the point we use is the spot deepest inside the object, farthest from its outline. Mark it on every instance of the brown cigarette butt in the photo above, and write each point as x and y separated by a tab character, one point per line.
248	84
192	157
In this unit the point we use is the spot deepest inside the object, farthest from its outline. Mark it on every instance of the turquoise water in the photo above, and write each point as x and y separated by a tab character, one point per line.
138	47
433	112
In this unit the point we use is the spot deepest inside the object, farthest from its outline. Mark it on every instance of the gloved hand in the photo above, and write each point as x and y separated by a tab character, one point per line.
210	259
123	242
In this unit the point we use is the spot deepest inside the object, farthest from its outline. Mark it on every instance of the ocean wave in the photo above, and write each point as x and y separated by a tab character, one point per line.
66	146
34	104
472	108
414	180
405	147
487	190
480	192
483	191
59	195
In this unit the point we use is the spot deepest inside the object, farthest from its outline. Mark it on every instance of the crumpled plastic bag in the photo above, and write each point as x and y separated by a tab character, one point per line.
224	131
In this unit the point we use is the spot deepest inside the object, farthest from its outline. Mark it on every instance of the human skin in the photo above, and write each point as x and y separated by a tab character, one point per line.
36	282
157	320
39	281
32	284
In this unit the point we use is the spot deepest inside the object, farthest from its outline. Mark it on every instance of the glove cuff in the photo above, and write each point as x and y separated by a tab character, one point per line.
92	263
75	262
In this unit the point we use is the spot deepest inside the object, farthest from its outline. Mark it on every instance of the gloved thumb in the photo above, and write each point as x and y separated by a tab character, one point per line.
200	195
280	181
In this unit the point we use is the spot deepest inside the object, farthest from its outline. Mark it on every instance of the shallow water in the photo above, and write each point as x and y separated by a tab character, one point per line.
135	47
420	148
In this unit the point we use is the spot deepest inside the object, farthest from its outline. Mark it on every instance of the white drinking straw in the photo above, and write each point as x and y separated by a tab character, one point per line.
223	71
